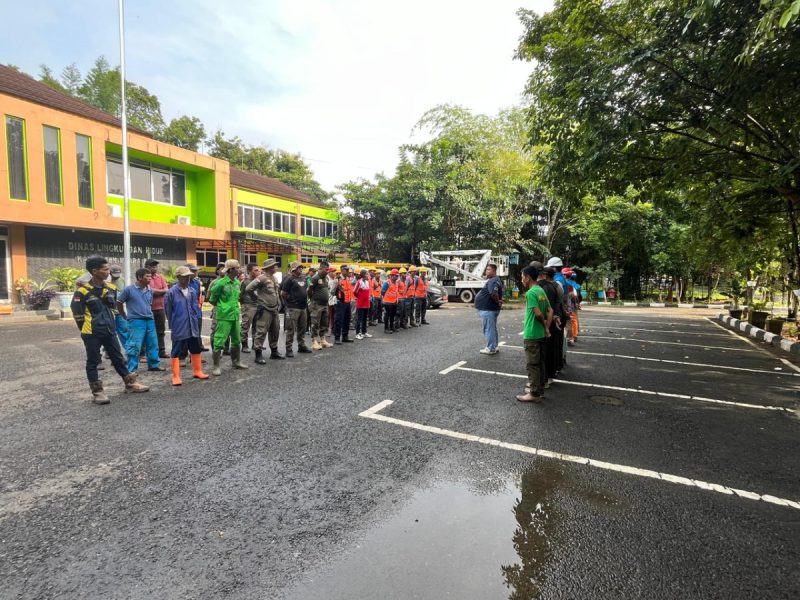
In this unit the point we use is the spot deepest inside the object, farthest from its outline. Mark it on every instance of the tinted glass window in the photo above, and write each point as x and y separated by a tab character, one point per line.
140	182
83	148
52	165
15	143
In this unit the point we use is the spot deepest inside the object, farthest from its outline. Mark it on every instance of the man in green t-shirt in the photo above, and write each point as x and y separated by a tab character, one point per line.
538	316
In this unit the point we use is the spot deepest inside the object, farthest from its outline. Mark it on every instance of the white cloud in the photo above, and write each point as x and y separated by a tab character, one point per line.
340	81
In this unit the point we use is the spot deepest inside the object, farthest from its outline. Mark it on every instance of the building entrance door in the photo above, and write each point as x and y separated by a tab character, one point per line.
5	271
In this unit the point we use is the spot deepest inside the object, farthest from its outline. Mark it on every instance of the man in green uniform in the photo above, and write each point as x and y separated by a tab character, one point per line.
538	317
267	320
225	298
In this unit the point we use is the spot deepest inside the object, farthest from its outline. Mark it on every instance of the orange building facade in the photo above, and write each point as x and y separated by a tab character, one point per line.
61	195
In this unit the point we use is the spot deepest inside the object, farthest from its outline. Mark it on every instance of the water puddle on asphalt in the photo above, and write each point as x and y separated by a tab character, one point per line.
453	541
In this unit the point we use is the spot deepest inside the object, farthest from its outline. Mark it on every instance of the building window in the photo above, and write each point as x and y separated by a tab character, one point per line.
306	258
83	149
148	182
250	258
17	167
262	219
52	164
319	228
210	258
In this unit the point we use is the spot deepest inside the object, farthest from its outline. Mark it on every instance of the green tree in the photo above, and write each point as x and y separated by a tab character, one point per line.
46	77
654	93
287	167
71	79
186	132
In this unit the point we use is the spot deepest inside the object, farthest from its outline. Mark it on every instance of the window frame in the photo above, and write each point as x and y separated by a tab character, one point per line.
60	165
91	171
152	168
24	157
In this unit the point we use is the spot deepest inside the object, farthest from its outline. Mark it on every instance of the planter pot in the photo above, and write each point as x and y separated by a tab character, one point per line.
64	300
23	298
41	306
775	325
758	318
736	313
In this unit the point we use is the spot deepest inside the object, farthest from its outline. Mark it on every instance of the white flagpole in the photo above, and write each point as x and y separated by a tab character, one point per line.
126	233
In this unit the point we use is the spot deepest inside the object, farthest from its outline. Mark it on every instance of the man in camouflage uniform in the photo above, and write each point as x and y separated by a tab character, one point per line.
264	289
249	307
319	295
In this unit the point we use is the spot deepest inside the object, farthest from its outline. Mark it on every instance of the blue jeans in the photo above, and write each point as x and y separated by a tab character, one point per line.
142	331
122	330
489	318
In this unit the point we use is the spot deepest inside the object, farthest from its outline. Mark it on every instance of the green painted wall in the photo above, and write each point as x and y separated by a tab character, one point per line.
265	201
200	194
319	213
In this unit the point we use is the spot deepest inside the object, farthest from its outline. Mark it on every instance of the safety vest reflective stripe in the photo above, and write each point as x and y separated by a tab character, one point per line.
376	287
422	288
391	295
345	291
401	289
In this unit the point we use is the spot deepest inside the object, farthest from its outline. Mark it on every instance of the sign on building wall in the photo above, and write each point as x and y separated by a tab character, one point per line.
49	248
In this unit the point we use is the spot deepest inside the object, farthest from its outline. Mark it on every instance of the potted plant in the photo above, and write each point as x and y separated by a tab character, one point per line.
775	324
758	316
64	278
23	287
40	295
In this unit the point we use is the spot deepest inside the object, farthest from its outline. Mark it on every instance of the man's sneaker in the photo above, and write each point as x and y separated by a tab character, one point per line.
367	335
485	351
359	336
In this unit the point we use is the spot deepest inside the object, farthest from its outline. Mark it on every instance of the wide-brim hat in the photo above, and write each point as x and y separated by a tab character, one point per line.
231	264
270	262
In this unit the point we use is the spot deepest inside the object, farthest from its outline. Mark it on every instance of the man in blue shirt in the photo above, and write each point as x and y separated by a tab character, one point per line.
488	303
137	300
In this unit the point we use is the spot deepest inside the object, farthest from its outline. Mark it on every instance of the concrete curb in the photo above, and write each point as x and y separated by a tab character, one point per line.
30	316
792	348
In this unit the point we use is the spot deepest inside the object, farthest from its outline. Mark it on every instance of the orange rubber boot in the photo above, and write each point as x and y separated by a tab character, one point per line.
197	367
176	371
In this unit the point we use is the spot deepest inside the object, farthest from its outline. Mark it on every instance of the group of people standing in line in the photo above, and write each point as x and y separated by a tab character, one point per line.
552	302
324	301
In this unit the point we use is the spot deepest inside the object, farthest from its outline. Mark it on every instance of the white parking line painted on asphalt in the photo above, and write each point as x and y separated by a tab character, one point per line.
373	413
634	390
589	328
452	367
680	362
588	320
783	360
623	339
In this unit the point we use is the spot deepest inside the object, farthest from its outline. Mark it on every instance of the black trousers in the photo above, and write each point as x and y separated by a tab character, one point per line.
180	348
160	317
376	313
93	346
362	314
341	322
389	318
554	360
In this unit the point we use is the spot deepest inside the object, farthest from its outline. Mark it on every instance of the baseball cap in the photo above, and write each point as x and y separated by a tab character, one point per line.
151	262
295	264
115	269
183	271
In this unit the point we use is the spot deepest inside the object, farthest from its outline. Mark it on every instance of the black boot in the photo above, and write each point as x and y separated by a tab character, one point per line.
274	354
260	357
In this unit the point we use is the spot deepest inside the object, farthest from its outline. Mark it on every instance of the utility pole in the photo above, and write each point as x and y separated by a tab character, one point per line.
126	231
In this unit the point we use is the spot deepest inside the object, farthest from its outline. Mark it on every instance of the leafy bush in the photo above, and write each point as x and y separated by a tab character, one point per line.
64	277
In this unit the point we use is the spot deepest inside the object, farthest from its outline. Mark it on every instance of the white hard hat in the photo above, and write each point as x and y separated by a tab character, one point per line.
554	262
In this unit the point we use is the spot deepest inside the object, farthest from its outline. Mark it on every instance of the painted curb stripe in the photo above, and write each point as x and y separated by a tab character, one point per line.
372	413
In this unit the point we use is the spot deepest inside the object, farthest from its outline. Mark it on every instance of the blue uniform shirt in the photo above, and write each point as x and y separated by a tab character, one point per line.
138	302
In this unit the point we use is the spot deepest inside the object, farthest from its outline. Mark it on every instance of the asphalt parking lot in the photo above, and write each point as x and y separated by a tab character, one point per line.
663	464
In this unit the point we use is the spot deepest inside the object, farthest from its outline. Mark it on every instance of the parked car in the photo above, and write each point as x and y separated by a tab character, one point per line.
437	294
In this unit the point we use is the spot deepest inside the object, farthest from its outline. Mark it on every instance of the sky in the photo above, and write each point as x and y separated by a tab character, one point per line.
341	82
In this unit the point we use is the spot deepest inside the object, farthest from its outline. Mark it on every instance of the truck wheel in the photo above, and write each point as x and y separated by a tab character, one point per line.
466	296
